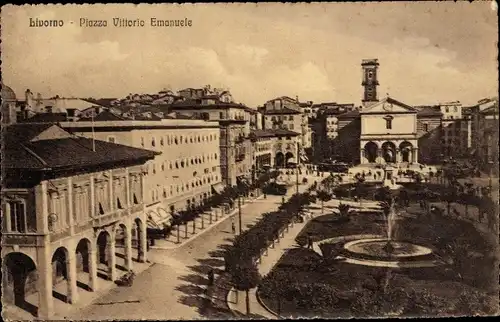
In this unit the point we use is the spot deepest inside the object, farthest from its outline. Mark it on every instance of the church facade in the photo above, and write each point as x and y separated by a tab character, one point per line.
380	131
388	133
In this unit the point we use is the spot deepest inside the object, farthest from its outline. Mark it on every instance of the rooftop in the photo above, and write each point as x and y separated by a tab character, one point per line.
47	118
42	147
273	133
429	111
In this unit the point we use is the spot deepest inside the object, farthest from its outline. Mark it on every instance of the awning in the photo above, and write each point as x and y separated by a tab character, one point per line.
304	158
291	160
153	219
164	215
218	188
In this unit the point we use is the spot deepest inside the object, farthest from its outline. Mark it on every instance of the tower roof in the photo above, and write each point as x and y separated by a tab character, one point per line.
372	61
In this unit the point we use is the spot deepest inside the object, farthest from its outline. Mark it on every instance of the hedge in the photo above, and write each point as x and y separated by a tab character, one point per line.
249	246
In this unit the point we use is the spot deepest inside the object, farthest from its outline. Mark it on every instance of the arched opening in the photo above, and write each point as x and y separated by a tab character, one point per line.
371	151
103	255
19	276
405	149
60	270
83	264
289	157
137	234
389	152
279	160
121	247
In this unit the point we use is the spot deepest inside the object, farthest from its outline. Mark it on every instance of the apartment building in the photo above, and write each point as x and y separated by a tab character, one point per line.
187	171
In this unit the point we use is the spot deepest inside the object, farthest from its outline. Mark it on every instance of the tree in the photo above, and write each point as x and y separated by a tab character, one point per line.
383	194
177	221
450	196
344	210
359	184
244	277
324	196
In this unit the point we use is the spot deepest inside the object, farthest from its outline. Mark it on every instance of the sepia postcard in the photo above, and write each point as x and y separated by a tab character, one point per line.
216	161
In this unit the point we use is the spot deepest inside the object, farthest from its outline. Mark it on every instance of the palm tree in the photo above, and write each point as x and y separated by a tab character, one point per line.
244	277
344	210
323	196
450	196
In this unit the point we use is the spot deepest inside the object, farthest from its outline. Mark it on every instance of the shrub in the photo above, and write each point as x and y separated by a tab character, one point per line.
301	241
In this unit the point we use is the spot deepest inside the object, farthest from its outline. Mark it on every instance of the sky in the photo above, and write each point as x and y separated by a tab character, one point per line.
429	52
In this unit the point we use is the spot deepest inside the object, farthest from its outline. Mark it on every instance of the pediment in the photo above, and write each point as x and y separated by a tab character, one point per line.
52	133
388	105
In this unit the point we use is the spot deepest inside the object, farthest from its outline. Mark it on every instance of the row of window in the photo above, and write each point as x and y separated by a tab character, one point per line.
281	118
181	164
58	206
180	188
283	126
447	109
171	140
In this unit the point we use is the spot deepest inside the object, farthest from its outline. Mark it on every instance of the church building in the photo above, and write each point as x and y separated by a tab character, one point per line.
381	131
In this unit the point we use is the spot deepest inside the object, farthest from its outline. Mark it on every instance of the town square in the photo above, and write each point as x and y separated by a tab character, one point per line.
330	160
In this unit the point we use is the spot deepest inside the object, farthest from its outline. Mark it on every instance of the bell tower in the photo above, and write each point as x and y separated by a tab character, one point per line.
370	81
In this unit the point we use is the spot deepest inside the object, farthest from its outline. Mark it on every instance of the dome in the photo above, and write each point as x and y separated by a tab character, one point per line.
7	93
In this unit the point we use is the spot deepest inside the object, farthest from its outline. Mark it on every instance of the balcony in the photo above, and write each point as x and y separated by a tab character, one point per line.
109	218
22	239
240	157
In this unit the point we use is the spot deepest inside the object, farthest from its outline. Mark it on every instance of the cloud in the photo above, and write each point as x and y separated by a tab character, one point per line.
258	51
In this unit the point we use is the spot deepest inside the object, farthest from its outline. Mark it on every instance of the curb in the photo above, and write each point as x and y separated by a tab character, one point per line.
259	300
215	224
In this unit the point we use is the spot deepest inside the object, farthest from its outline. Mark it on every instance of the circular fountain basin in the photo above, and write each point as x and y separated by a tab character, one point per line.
376	248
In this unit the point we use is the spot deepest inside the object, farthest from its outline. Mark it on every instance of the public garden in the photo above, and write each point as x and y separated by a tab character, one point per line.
441	260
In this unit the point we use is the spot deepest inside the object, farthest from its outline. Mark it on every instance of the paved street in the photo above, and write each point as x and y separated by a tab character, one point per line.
173	287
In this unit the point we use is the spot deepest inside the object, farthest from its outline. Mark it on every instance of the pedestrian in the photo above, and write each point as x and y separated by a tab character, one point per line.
211	276
233	226
282	200
309	242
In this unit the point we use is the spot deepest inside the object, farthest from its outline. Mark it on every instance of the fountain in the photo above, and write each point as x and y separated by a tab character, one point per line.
389	179
388	251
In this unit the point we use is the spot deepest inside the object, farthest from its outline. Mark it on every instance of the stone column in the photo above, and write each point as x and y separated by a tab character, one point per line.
44	283
143	243
111	197
127	187
128	249
72	278
362	155
398	155
112	259
415	155
379	154
93	268
70	203
92	196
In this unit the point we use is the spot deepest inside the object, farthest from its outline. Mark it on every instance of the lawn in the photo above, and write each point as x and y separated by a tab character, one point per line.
310	285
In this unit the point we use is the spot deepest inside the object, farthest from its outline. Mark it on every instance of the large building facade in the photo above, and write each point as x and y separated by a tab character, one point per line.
234	145
69	206
186	172
388	133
